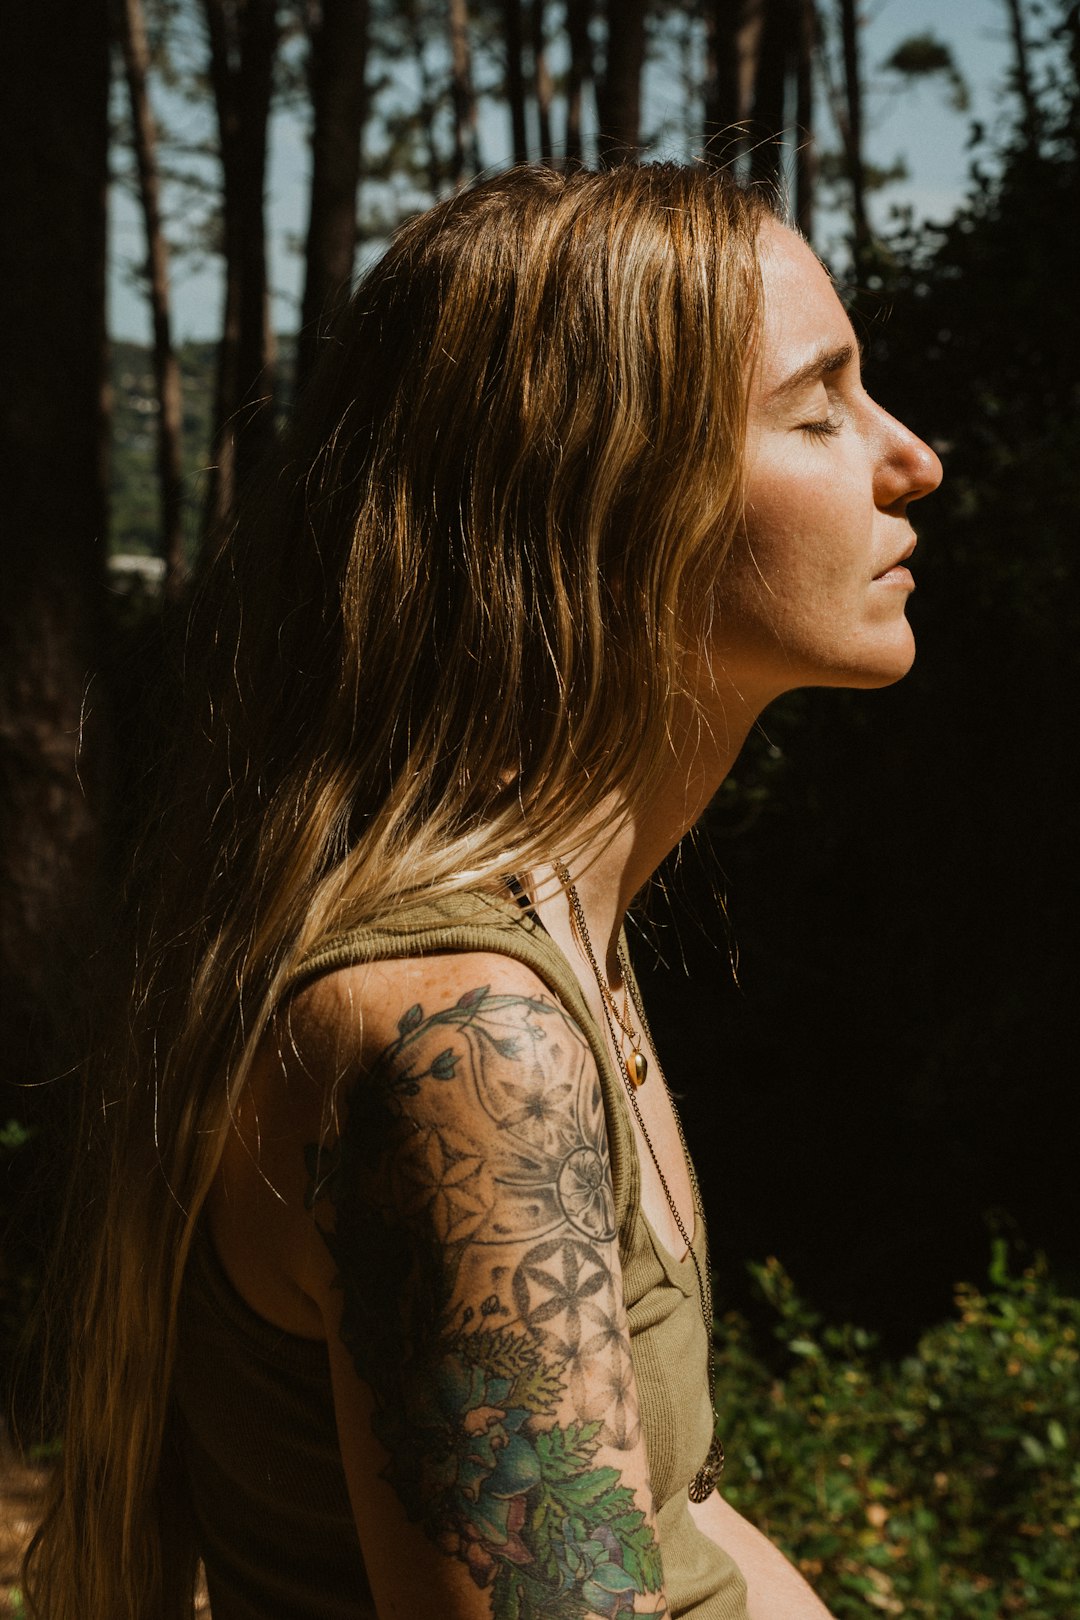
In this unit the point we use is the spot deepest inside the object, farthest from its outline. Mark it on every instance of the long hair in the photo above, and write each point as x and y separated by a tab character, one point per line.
450	621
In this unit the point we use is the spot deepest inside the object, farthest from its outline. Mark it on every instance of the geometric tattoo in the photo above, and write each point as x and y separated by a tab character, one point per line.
479	1299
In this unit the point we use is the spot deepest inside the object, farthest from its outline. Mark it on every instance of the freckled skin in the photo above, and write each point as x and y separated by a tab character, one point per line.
830	478
475	1153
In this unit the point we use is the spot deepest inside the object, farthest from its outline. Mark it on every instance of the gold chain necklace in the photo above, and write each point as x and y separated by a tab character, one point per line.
704	1481
636	1066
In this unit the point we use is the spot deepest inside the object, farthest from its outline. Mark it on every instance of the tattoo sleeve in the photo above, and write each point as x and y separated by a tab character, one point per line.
467	1205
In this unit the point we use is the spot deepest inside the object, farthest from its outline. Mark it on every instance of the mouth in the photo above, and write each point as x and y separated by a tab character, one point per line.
896	570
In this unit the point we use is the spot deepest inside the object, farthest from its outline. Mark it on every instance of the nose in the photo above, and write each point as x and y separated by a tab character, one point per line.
908	468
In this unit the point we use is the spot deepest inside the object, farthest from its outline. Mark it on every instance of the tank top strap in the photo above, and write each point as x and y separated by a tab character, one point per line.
478	921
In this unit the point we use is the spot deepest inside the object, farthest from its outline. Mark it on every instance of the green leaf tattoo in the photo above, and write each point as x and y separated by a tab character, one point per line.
466	1397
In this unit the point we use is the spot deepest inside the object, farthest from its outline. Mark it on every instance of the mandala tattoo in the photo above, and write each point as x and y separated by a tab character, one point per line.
565	1295
471	1388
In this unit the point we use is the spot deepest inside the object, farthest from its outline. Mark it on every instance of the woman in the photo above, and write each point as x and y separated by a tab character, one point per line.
398	1304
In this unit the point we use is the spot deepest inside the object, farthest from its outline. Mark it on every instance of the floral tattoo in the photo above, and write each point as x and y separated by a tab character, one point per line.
468	1380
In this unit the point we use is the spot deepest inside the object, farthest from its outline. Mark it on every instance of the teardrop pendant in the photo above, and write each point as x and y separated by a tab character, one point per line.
637	1067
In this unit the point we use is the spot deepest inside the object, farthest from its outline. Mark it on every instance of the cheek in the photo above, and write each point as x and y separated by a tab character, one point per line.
794	593
811	520
795	602
792	555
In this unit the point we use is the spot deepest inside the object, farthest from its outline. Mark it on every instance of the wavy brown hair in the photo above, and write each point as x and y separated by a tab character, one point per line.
450	621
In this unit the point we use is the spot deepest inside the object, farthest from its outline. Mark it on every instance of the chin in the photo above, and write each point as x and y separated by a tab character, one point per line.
877	665
885	671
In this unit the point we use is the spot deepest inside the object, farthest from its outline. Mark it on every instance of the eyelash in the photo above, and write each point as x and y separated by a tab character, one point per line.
823	429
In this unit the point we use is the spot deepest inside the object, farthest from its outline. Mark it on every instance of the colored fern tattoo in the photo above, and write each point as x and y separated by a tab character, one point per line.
468	1384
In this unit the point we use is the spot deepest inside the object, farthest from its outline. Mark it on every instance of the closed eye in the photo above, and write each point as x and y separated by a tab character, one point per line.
824	428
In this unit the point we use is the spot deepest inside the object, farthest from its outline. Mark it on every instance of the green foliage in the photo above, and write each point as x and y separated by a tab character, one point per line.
946	1485
135	526
924	56
14	1135
135	516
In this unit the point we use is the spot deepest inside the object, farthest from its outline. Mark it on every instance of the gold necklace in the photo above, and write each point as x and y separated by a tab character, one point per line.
704	1481
636	1065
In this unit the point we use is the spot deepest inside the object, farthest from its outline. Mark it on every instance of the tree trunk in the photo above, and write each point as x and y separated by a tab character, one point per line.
1025	89
852	138
428	97
1070	26
734	40
338	58
541	80
767	109
760	52
513	35
724	105
619	95
257	348
243	37
53	433
578	13
131	26
805	149
466	147
221	494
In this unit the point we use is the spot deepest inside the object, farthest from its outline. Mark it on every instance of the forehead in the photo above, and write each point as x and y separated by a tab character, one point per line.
802	315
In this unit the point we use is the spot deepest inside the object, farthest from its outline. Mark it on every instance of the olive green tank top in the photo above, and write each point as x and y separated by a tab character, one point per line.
255	1408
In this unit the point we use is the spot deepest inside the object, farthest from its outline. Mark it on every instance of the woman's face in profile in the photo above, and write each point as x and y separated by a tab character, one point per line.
814	590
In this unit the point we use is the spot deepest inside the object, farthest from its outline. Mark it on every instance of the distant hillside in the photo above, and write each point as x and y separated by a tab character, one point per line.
135	520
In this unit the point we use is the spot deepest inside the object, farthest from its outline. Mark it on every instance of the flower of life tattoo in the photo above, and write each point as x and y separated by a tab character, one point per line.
471	1392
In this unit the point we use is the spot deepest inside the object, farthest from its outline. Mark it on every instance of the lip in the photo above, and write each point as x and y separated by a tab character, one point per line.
896	573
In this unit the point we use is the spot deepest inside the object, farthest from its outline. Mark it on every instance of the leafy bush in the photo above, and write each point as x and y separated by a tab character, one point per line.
947	1485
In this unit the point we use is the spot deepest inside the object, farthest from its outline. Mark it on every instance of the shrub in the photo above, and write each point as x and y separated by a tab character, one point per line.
946	1485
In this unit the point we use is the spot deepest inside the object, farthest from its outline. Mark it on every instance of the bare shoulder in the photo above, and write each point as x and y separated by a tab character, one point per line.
463	1054
378	1016
473	1115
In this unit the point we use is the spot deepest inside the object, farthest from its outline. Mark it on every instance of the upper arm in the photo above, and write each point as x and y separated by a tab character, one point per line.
480	1357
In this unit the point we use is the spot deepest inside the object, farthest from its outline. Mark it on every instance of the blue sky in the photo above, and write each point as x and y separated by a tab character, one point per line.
917	125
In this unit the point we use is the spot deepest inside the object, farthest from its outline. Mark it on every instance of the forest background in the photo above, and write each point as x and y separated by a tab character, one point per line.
880	1095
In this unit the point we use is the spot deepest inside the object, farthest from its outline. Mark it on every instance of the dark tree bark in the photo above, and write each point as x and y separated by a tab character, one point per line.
806	166
619	94
541	80
466	145
760	63
243	37
851	134
131	27
1070	25
513	35
53	432
772	62
578	14
429	97
339	42
1025	88
725	105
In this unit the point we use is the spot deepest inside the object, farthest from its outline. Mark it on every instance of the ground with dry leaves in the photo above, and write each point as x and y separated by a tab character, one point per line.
21	1490
20	1498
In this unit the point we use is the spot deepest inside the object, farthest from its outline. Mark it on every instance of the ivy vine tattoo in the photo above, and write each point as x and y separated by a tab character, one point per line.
469	1381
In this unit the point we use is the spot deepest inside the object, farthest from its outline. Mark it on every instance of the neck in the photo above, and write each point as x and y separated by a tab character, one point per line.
608	869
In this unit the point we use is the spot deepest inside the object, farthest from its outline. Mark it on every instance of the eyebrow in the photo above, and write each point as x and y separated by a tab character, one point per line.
822	364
